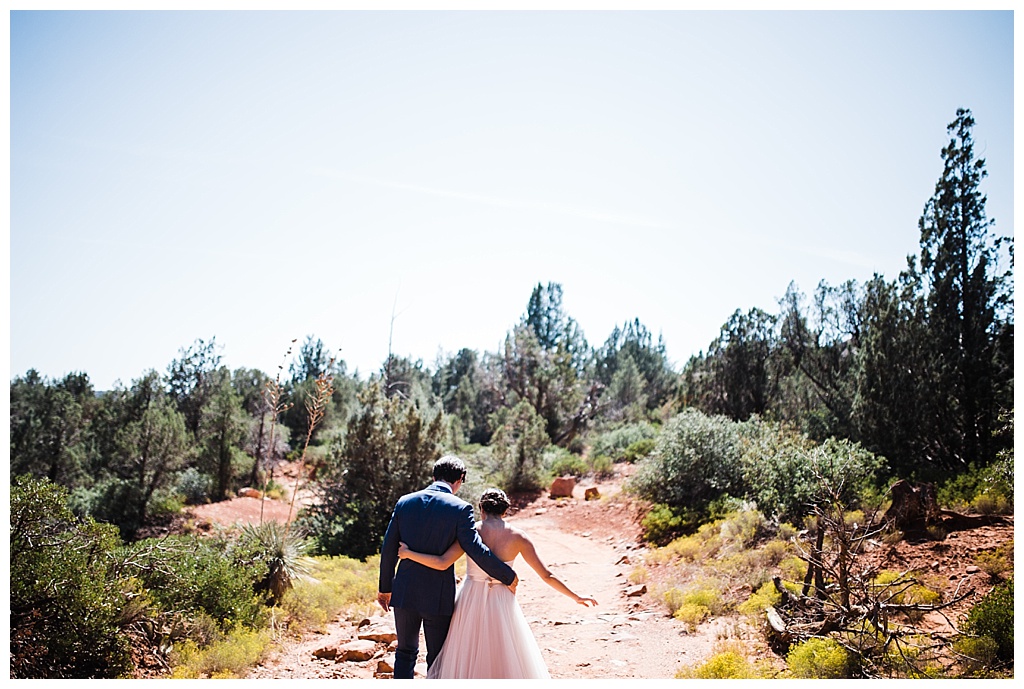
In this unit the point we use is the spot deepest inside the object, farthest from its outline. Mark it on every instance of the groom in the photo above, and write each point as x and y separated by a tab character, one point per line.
429	521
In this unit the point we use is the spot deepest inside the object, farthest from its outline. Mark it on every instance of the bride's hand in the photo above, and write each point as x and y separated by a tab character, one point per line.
585	602
403	551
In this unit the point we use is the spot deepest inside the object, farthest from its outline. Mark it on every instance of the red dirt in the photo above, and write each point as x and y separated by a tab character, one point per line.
594	546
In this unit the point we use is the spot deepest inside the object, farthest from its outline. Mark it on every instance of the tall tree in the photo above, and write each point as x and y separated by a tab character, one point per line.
959	260
389	450
736	378
190	381
313	360
50	431
633	341
546	363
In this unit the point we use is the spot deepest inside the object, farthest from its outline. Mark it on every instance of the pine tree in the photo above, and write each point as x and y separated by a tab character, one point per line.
959	257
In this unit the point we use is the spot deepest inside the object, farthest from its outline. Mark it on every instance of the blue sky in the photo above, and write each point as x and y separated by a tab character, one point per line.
257	177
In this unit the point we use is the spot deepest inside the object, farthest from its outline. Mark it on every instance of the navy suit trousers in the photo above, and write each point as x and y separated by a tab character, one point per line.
407	627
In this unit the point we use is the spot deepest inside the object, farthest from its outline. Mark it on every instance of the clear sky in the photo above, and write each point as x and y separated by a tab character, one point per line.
258	177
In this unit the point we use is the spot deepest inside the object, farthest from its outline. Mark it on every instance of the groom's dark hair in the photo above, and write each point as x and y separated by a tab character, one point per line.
449	468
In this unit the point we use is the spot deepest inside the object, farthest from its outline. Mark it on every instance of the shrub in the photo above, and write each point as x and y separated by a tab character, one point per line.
66	607
561	462
518	444
781	468
728	662
991	503
229	657
996	562
759	601
336	585
601	466
615	443
692	614
696	460
638	450
993	617
661	524
696	604
209	575
818	659
975	653
195	486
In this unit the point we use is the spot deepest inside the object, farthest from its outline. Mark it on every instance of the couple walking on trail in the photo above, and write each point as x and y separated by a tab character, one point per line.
479	631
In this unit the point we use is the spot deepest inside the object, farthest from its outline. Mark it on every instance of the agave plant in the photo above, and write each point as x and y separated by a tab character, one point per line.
283	547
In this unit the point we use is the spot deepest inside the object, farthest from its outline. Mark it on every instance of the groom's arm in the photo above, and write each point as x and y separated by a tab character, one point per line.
470	541
389	555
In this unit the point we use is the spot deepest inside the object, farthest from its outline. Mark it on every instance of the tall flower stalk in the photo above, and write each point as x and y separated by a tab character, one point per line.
316	407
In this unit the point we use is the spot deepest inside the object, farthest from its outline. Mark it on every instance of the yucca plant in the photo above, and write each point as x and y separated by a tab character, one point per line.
284	548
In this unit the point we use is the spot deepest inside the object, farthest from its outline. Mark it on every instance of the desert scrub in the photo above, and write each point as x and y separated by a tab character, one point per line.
729	661
336	585
975	654
818	659
993	617
638	575
997	562
695	604
226	658
759	601
903	589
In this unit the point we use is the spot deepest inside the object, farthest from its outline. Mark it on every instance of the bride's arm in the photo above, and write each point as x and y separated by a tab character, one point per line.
529	554
445	561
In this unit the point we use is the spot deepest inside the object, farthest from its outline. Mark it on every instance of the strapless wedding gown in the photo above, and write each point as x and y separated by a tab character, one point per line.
489	637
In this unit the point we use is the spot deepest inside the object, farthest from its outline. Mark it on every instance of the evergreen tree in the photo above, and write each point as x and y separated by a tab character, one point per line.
389	450
959	260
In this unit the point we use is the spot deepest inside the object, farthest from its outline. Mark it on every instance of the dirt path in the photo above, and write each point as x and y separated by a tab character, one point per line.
590	545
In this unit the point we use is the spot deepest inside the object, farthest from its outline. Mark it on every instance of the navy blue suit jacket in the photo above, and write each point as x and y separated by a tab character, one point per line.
429	521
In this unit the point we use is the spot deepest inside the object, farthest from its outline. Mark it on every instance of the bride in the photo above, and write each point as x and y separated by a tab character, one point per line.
489	636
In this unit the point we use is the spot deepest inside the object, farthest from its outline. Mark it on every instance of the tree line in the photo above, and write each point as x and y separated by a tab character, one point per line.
918	370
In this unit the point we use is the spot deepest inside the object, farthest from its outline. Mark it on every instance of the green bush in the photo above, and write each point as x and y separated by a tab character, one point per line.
729	661
662	523
561	462
194	485
781	469
988	490
616	443
229	657
601	466
638	450
335	585
66	608
759	601
210	575
696	460
976	653
818	659
993	617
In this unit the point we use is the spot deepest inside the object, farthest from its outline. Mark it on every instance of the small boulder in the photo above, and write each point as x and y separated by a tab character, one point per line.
250	493
562	487
384	667
356	651
636	591
592	493
378	630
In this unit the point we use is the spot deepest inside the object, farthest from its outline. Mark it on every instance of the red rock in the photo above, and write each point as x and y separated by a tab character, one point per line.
591	493
357	651
562	487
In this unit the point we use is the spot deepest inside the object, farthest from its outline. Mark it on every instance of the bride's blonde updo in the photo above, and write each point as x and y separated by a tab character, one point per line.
494	502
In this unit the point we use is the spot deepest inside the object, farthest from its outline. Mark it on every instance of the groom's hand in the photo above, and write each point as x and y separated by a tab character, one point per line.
512	586
385	600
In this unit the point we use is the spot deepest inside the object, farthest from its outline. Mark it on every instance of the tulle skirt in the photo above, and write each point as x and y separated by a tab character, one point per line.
489	637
